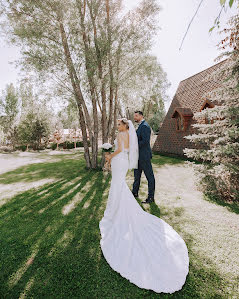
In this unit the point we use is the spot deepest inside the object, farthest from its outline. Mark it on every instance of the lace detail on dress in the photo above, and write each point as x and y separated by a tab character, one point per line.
123	149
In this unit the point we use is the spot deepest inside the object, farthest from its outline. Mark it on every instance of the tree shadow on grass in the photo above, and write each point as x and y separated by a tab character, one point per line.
50	254
66	168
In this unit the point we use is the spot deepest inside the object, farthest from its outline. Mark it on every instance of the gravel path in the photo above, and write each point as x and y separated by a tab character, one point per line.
213	228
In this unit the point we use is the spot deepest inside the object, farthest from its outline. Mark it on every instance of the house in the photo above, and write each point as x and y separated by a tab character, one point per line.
188	99
63	135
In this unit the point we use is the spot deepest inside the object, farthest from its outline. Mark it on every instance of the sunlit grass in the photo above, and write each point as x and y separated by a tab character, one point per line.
50	238
162	160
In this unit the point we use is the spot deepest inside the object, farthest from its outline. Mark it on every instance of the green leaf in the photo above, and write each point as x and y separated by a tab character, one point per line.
211	29
222	2
231	3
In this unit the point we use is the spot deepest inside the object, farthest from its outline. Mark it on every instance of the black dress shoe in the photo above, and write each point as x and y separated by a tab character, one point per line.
135	195
148	200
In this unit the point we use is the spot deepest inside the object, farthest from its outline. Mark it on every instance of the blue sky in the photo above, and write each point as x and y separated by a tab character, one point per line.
198	52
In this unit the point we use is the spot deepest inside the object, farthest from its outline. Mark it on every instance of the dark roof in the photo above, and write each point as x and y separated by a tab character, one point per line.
191	91
189	98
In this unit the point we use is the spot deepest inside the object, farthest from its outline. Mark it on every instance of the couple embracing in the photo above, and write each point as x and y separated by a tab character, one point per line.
138	245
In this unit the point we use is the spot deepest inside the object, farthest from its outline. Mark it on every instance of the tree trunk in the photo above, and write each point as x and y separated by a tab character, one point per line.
77	92
111	96
90	76
115	116
102	79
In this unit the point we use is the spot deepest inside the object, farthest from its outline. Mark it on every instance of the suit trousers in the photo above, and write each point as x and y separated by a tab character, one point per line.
146	166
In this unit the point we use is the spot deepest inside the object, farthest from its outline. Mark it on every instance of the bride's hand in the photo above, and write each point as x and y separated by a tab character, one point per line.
108	157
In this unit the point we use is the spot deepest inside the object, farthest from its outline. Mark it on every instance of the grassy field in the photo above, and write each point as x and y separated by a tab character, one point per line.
50	238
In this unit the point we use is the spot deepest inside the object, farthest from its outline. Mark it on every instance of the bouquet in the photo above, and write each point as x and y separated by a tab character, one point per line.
106	148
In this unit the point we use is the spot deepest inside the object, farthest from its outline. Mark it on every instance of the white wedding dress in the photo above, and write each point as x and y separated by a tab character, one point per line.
140	246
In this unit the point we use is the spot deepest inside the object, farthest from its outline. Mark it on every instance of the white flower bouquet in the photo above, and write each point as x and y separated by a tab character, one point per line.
106	148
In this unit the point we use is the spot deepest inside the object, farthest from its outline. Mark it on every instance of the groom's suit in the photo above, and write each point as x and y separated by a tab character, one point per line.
144	163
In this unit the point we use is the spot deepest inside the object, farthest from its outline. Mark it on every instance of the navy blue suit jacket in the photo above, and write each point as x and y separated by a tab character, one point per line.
143	133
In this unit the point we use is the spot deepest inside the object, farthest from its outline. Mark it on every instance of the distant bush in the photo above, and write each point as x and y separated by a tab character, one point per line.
21	148
80	143
53	146
68	145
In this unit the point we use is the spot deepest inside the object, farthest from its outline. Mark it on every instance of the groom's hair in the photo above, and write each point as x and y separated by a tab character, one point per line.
139	112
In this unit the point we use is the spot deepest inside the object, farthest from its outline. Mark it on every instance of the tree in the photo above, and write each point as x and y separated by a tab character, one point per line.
9	110
2	136
145	89
36	121
88	47
219	171
69	116
34	127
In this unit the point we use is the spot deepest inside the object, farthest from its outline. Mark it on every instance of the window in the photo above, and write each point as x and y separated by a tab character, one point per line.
182	117
179	123
207	104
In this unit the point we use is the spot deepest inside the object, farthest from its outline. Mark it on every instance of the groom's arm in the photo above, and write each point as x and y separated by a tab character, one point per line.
145	136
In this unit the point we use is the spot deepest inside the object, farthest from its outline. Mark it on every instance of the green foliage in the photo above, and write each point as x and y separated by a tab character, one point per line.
9	110
161	160
21	148
9	104
224	5
2	135
231	3
69	116
54	146
147	90
219	173
94	64
80	143
34	127
68	145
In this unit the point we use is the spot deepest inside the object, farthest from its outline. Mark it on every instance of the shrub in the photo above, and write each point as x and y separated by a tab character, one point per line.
53	146
80	143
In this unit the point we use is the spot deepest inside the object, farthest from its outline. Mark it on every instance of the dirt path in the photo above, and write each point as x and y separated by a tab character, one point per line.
213	228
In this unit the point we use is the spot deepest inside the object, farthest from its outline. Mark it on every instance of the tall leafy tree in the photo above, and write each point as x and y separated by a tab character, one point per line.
36	120
9	110
89	47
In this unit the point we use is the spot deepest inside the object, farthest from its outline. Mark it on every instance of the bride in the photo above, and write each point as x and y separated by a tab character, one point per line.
140	246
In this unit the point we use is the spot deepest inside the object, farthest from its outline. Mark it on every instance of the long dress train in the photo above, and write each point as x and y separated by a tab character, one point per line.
140	246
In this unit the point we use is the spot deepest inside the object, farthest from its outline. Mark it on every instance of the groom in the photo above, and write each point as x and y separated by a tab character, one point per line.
145	155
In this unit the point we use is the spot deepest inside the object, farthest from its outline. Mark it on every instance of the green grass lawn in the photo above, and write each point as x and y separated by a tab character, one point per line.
50	238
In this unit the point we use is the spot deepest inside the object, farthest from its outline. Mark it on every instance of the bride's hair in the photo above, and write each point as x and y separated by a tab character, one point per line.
125	122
